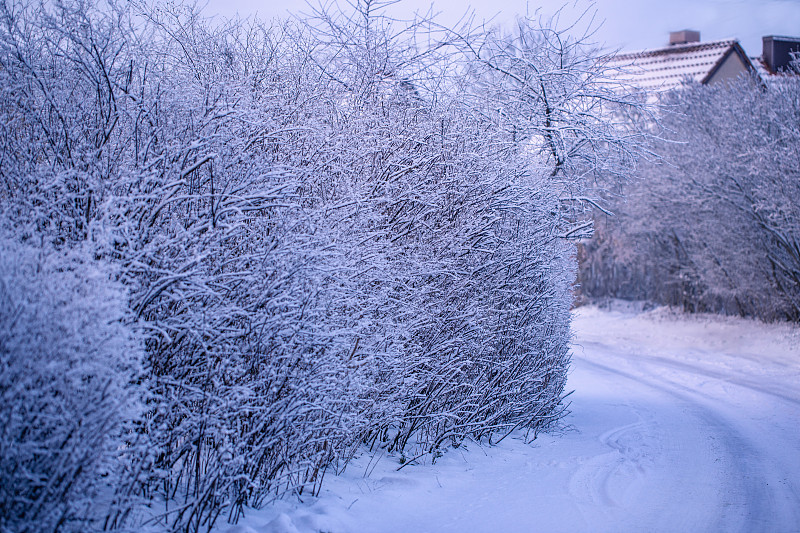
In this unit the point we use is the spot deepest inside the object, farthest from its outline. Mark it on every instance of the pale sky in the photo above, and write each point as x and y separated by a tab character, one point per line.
628	24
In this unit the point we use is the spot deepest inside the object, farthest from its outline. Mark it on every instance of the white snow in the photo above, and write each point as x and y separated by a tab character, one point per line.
678	423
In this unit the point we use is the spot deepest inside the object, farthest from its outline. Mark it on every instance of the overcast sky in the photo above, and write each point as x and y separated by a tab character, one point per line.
627	24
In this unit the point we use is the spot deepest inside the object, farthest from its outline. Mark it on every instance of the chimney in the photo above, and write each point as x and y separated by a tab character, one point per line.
683	37
777	51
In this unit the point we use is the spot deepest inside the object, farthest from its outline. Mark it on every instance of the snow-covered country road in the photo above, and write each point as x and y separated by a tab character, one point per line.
700	419
678	424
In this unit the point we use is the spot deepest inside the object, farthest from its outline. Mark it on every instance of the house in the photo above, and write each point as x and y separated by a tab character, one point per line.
687	59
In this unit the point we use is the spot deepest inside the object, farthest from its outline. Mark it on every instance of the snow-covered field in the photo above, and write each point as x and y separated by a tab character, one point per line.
678	423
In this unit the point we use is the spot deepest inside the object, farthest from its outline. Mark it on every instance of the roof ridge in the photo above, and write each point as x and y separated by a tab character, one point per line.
675	48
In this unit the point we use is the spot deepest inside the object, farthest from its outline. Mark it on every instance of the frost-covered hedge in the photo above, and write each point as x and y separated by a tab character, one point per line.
327	234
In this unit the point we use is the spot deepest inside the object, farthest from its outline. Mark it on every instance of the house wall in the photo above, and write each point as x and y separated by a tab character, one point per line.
732	66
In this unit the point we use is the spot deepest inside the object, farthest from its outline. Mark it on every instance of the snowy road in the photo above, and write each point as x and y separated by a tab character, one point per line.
677	425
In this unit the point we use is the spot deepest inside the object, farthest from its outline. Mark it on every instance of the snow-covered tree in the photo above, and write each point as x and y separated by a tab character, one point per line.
715	226
561	102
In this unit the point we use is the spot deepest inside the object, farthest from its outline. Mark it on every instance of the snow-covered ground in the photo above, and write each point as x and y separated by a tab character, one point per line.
678	423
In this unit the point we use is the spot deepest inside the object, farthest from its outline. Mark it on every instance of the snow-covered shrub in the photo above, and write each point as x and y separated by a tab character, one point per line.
67	364
457	204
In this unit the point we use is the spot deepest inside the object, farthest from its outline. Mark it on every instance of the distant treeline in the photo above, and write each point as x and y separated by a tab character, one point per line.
715	225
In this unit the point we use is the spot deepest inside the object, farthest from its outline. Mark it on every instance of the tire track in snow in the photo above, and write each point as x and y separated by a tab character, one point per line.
594	479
